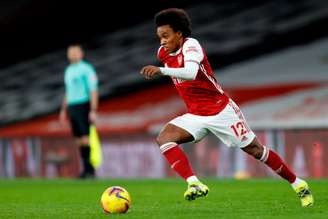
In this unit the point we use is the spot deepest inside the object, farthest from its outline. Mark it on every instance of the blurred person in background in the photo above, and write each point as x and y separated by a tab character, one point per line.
209	107
80	103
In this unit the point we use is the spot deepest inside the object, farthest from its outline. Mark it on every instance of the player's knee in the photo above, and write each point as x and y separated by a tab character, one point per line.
254	149
164	137
161	139
257	153
158	140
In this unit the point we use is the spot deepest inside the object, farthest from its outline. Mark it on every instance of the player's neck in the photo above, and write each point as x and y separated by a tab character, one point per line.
75	61
181	41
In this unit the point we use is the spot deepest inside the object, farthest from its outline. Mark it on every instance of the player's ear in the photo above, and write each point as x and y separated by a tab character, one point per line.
179	33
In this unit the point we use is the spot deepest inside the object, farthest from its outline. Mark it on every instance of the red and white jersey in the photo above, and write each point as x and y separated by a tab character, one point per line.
203	95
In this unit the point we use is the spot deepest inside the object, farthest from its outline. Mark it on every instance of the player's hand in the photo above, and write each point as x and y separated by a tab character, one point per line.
150	71
93	116
63	117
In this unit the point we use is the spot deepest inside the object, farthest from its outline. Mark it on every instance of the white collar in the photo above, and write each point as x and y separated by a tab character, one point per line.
175	53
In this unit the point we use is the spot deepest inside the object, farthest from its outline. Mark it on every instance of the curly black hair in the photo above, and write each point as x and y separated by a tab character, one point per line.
178	19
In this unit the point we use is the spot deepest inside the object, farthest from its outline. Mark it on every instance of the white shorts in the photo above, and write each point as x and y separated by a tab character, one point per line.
229	126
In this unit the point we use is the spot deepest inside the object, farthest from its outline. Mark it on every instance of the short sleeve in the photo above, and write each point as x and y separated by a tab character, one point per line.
160	54
192	51
92	78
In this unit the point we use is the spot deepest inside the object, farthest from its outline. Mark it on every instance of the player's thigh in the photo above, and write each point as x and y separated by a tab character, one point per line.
181	130
231	127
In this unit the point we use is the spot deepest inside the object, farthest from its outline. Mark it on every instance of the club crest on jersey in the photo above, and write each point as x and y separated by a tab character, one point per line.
180	60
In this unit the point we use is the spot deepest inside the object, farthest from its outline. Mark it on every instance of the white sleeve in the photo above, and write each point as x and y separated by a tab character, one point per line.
188	72
192	51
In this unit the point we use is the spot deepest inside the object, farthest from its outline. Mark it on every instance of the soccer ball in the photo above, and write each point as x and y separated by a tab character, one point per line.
115	199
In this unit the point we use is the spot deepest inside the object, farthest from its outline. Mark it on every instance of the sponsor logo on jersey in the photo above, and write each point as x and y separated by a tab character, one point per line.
192	49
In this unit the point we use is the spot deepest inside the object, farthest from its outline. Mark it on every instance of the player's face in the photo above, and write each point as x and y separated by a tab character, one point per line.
74	54
169	39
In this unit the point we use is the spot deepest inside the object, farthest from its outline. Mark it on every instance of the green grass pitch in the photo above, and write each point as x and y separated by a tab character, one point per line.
159	199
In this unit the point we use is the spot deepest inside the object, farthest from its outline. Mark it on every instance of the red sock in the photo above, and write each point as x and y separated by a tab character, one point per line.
273	160
177	159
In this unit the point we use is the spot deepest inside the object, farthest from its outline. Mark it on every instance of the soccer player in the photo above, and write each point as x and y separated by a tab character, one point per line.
81	102
209	108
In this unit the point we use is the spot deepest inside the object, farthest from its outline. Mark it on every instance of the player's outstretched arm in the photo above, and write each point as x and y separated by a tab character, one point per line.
188	72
